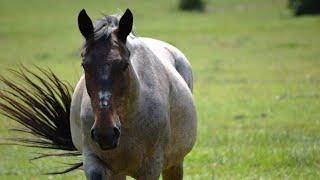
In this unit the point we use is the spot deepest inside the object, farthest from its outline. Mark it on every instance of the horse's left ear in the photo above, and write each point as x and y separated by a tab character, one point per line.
125	25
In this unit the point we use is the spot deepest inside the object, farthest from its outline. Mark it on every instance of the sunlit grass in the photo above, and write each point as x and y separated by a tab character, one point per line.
256	72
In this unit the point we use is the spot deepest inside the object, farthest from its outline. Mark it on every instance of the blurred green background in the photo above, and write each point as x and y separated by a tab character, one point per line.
256	79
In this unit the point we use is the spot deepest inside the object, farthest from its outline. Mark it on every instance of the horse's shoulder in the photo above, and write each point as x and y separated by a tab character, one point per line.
78	94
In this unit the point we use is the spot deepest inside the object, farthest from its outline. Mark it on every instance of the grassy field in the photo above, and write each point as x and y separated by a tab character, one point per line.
256	72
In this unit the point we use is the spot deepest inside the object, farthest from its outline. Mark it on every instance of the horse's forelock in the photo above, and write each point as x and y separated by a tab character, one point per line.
102	29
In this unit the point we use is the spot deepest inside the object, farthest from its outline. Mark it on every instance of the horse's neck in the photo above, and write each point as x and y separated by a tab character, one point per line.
132	93
133	73
136	68
134	85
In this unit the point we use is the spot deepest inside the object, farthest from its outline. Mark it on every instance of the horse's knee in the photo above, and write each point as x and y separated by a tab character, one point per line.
175	172
118	177
94	168
95	174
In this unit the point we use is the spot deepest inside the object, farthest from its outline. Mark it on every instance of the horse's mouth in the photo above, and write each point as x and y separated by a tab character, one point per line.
106	139
106	147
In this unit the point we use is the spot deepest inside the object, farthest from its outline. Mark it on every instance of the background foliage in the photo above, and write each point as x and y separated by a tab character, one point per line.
301	7
198	5
256	72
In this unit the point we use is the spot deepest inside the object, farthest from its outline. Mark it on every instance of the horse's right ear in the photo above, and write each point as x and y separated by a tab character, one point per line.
85	24
125	25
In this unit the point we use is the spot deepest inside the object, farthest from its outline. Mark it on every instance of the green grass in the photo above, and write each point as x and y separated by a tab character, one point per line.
256	72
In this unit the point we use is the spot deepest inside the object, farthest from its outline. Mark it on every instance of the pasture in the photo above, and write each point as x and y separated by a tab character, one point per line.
256	80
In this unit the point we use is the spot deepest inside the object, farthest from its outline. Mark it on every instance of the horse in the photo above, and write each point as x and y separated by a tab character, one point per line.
132	112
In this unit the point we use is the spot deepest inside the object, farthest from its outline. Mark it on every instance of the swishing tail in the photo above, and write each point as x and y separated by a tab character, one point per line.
40	102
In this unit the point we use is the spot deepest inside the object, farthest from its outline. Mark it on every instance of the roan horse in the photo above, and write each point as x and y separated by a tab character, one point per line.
131	114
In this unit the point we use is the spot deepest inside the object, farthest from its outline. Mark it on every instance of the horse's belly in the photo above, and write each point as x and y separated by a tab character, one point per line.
182	139
182	121
183	125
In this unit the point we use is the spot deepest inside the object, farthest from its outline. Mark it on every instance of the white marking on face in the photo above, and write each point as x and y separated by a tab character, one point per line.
104	97
104	77
104	94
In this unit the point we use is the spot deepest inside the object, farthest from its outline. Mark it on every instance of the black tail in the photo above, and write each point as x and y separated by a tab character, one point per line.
41	103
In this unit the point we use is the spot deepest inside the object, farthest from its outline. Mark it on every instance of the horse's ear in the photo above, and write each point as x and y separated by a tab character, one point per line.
85	24
125	25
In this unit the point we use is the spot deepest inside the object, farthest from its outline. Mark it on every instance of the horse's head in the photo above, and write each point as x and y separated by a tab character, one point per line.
105	61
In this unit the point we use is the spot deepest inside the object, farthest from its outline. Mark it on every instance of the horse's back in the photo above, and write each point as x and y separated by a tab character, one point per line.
173	55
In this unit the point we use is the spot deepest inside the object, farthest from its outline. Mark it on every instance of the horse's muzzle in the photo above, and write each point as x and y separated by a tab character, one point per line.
107	139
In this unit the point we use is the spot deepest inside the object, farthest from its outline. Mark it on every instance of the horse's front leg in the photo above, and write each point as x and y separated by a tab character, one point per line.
152	173
152	169
94	168
174	172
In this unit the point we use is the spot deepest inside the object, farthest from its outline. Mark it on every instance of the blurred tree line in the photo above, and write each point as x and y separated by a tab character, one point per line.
301	7
190	5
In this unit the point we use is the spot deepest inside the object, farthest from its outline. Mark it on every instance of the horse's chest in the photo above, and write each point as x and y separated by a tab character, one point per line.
125	159
134	150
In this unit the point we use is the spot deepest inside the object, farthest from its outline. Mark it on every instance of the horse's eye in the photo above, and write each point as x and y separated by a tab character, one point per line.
84	65
122	87
125	66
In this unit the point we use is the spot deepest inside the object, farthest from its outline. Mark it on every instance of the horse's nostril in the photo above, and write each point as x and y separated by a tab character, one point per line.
108	139
116	132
